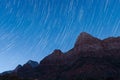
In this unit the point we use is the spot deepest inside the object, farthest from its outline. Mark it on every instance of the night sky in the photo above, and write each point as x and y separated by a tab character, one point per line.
32	29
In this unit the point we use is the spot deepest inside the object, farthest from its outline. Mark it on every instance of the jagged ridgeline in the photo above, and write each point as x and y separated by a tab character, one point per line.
89	59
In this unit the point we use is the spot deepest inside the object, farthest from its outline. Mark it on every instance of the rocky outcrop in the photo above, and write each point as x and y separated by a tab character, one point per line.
56	57
86	42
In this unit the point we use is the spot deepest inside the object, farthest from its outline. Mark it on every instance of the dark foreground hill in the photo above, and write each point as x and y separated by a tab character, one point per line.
89	59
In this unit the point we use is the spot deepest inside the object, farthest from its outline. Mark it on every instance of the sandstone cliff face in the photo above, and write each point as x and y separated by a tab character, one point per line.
89	58
55	58
86	42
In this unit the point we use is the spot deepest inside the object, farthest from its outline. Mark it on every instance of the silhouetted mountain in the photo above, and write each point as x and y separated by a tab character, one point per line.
89	59
17	68
32	63
6	72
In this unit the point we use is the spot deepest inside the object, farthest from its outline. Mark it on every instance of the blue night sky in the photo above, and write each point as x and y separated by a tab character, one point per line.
32	29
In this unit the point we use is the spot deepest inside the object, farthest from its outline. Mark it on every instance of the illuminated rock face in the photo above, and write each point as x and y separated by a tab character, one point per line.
89	58
94	46
86	42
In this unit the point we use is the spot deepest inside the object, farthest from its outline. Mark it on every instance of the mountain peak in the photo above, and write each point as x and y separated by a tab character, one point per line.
85	41
85	38
32	63
57	52
17	68
55	57
84	34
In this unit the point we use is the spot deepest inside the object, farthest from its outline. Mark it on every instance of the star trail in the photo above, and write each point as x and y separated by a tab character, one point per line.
32	29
